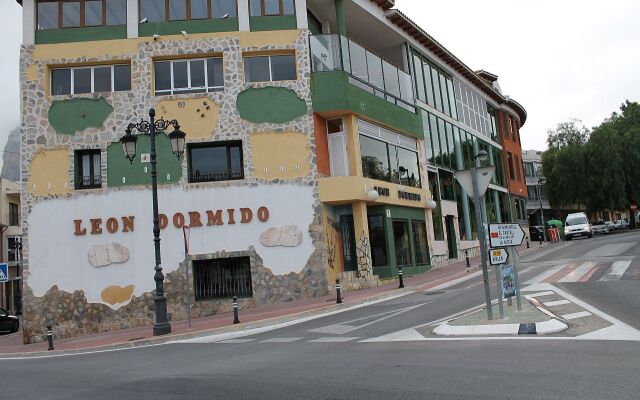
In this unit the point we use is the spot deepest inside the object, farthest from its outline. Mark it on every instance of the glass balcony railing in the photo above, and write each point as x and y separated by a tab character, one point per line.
366	70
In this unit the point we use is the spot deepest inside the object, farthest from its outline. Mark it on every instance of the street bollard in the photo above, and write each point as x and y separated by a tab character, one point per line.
235	310
400	278
338	298
466	256
528	245
50	337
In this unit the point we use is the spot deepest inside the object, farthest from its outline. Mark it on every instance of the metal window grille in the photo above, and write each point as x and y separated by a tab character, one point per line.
222	278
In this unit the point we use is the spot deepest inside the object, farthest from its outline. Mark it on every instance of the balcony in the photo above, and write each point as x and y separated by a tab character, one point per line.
346	76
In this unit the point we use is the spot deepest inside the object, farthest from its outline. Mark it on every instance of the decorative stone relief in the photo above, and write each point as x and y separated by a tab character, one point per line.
286	236
107	254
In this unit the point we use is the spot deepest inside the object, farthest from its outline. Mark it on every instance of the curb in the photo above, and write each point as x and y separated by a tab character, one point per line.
538	328
235	330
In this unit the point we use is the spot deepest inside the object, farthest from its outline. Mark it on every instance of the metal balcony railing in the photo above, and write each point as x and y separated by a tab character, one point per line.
215	176
366	70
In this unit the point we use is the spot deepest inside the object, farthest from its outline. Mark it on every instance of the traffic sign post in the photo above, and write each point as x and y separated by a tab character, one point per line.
505	235
504	238
498	256
4	273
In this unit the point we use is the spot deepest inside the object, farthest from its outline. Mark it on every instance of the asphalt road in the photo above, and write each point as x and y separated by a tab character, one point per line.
324	358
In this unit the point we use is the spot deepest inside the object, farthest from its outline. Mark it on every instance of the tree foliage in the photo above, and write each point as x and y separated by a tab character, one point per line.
597	169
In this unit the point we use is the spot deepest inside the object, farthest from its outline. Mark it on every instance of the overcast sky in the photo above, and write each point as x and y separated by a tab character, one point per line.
559	59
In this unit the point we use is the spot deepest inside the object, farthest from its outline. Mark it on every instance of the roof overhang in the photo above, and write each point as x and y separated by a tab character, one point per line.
384	4
422	37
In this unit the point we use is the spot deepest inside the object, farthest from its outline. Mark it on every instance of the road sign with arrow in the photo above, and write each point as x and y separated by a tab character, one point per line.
498	256
505	235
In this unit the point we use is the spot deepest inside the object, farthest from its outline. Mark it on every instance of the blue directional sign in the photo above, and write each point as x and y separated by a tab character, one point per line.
4	273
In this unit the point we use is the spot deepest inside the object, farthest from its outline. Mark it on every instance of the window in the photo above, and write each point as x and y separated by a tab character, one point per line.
14	216
378	241
402	245
222	278
511	170
94	79
517	166
88	169
420	242
272	7
180	10
438	229
388	162
13	249
188	76
211	162
54	14
447	190
270	68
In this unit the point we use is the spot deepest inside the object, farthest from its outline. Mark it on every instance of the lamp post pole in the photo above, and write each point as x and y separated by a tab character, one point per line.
541	182
152	128
483	243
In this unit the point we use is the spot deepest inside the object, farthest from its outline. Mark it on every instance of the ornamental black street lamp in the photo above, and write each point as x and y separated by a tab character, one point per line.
152	128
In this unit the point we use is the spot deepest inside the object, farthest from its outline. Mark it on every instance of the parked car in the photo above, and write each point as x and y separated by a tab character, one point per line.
577	225
621	224
8	323
599	227
612	227
535	233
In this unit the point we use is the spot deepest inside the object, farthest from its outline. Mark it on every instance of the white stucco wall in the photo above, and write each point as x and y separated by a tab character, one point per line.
59	257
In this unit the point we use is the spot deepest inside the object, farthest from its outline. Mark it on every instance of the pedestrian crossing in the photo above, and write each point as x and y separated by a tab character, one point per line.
589	271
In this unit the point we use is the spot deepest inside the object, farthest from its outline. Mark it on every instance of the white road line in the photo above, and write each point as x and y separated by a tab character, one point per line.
333	339
618	269
232	341
610	250
557	303
578	273
281	340
547	293
577	315
546	274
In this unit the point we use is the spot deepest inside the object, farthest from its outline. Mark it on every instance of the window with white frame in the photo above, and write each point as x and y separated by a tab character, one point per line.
281	67
94	79
188	76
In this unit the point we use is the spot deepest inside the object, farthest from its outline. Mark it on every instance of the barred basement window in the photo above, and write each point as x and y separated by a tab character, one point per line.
222	278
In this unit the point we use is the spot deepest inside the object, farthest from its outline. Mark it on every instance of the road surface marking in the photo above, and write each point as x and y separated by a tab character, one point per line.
557	303
232	341
344	327
450	283
282	340
580	314
578	273
333	339
618	269
610	250
546	274
540	294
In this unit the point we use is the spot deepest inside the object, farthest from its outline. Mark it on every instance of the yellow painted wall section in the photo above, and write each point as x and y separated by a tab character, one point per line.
280	155
32	73
49	173
347	189
116	294
198	117
121	47
361	230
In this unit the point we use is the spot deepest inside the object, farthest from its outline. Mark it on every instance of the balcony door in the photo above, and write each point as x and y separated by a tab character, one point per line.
337	139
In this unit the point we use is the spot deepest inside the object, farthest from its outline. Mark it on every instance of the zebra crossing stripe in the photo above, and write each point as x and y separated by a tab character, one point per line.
577	315
616	271
546	274
578	273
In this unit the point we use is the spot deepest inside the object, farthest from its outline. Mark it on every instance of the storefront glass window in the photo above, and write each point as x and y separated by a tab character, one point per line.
420	242
378	241
401	243
446	185
408	167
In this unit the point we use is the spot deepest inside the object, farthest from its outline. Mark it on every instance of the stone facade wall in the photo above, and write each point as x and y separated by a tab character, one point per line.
71	313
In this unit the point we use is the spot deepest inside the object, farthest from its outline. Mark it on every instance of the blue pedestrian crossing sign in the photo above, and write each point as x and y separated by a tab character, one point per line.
4	273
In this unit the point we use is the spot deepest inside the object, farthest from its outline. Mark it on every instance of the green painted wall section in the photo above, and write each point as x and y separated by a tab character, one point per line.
273	23
118	166
75	115
331	91
193	26
270	105
67	35
405	213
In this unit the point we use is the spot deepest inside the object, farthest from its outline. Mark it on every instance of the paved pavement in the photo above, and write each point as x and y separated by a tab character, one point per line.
353	354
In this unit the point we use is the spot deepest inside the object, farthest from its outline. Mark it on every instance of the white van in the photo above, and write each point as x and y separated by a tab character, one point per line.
577	225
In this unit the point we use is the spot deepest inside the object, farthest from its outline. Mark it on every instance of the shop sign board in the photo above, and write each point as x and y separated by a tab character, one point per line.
505	235
498	256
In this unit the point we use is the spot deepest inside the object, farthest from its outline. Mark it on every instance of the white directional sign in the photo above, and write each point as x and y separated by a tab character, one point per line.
505	235
498	256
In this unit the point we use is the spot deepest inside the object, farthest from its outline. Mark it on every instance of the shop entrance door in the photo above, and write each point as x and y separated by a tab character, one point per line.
451	236
347	232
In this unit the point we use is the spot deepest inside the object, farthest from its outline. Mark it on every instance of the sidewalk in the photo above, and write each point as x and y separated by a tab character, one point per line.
264	315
